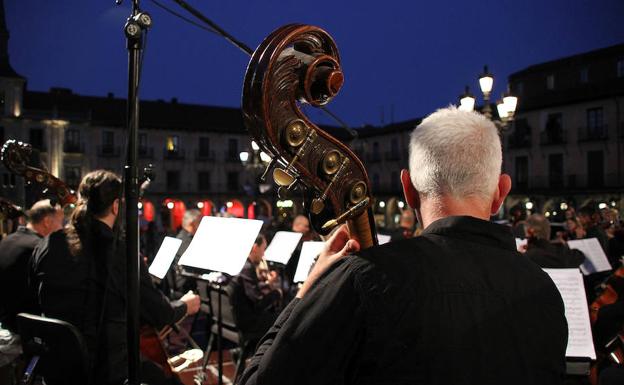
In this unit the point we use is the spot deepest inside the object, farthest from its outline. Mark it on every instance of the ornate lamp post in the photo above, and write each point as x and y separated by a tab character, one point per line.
506	107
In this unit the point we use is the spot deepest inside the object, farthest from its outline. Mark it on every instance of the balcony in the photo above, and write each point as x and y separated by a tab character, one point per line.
108	151
205	155
231	157
392	156
553	137
373	157
593	134
73	147
146	152
174	155
519	141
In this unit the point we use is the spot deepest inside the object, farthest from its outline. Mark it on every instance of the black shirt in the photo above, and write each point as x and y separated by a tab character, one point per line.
553	255
15	296
89	291
458	305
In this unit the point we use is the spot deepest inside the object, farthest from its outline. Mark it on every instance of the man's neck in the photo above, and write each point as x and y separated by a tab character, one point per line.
34	228
433	209
108	220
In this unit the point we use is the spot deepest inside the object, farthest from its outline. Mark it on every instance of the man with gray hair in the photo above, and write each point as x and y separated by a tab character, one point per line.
15	251
178	284
545	253
457	305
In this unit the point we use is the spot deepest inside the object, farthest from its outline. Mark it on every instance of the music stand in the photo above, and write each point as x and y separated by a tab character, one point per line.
164	257
220	245
309	251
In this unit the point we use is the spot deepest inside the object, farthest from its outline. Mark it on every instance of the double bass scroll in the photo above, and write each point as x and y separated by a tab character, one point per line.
299	64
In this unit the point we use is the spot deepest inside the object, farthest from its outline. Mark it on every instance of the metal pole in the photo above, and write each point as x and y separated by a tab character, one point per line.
131	195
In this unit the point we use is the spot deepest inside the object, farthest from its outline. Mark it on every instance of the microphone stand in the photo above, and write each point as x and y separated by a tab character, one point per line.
134	29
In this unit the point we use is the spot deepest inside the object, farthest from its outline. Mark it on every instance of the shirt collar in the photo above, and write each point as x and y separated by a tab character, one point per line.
475	229
24	229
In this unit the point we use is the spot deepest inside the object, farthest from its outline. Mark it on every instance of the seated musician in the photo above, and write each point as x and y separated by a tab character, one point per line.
545	253
456	305
15	252
80	277
262	296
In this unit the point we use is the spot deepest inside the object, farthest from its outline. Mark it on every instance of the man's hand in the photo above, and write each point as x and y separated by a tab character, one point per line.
337	247
192	302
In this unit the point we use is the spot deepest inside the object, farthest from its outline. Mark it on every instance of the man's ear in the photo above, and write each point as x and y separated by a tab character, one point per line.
115	207
502	189
411	194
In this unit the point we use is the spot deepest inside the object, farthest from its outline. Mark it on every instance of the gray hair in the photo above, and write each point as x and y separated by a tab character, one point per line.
540	225
40	210
456	153
190	216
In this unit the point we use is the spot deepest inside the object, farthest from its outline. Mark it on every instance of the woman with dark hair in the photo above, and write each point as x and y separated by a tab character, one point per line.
80	276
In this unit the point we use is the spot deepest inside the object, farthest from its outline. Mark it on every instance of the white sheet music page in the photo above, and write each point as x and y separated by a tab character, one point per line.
282	246
221	244
383	238
309	251
570	285
165	255
595	257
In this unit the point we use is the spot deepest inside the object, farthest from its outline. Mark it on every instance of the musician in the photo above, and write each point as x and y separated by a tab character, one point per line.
589	217
406	226
16	249
547	254
176	282
457	305
262	295
300	224
80	277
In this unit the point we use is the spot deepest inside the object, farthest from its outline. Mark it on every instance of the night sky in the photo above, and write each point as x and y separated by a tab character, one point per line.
402	59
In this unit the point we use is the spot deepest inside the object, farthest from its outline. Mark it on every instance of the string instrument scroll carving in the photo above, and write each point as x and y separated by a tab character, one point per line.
15	156
299	64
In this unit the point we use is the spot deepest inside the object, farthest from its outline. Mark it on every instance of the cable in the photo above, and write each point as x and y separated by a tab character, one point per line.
184	18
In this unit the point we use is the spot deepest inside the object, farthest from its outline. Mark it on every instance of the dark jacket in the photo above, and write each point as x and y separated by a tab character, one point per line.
15	295
457	305
553	255
89	291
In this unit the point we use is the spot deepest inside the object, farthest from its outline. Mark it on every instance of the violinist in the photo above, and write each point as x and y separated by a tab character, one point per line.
545	253
261	289
456	305
79	274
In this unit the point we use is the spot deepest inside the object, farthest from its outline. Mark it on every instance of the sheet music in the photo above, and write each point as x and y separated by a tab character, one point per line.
570	285
383	238
309	251
595	257
221	244
165	255
520	243
282	246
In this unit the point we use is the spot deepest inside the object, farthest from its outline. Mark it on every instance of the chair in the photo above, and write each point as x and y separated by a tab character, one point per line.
56	349
232	296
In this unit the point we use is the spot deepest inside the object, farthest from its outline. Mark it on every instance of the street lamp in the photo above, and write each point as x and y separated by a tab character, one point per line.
506	107
256	162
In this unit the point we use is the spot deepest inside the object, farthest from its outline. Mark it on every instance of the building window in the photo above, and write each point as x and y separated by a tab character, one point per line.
376	183
584	75
553	133
36	139
595	124
108	142
595	169
395	182
555	170
72	141
173	180
232	154
550	82
620	68
204	146
232	181
519	88
521	135
73	175
1	134
8	180
203	181
522	172
172	143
